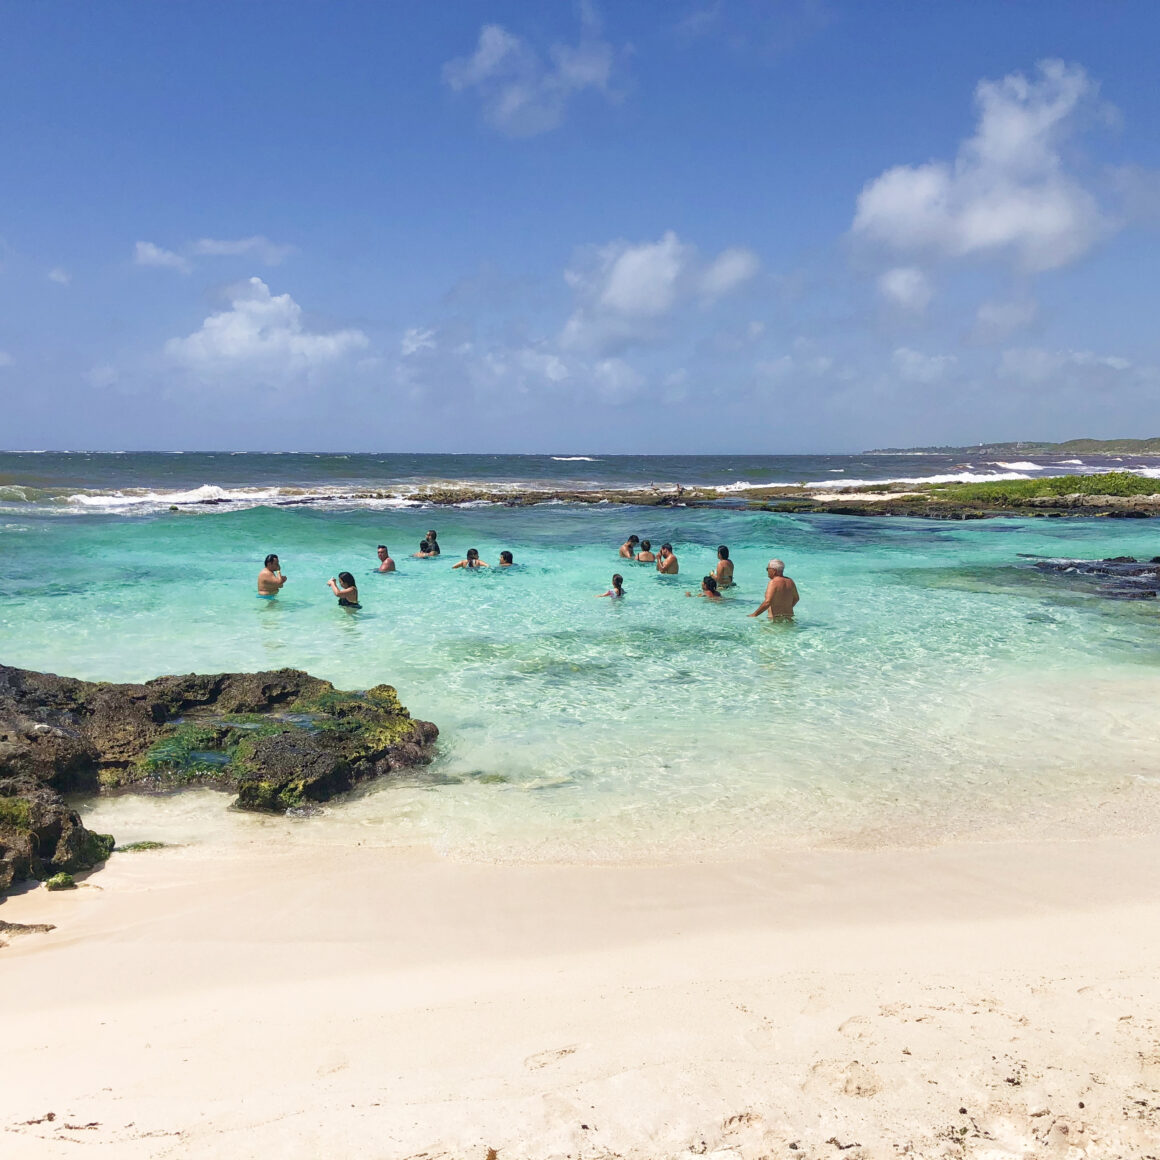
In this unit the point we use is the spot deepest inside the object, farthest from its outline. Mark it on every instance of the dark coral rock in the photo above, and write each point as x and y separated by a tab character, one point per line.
282	740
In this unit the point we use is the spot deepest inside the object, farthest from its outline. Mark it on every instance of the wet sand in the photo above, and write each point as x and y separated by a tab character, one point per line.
966	1000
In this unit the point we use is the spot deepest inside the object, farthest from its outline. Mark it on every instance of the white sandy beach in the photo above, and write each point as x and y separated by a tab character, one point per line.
973	1000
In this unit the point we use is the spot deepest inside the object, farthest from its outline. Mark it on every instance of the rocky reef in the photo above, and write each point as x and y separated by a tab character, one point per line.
280	740
1117	578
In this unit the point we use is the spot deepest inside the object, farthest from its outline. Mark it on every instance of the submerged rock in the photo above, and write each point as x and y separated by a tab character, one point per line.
1116	577
282	740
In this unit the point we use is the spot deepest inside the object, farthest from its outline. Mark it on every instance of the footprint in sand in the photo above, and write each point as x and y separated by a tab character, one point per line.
848	1079
544	1058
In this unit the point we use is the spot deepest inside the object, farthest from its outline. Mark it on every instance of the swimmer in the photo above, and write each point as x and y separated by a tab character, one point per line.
270	579
386	564
666	561
617	589
628	548
781	593
505	560
708	589
432	543
344	588
645	555
424	552
472	561
723	573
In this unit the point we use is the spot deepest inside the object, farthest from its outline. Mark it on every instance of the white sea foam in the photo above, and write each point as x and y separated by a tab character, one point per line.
575	459
1020	465
952	477
1072	462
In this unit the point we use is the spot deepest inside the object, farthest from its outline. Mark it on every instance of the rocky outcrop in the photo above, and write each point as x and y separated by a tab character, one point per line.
281	740
1117	578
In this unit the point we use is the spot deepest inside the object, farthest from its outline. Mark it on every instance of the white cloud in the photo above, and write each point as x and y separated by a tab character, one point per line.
60	276
261	338
1035	366
625	291
915	367
147	254
907	288
616	381
103	376
522	93
729	270
416	339
5	359
268	252
996	321
1008	191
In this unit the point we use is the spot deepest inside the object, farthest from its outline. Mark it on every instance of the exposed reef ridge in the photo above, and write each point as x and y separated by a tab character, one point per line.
280	739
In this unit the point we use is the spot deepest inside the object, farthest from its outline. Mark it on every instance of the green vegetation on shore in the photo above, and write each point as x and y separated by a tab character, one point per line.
1070	447
1120	483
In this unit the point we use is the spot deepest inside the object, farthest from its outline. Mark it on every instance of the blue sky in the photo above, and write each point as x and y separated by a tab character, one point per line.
713	225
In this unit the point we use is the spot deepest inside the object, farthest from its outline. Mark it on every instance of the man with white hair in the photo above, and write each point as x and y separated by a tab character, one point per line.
781	593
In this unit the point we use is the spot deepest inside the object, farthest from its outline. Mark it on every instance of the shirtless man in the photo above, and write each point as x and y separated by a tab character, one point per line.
723	573
666	561
386	564
270	579
628	548
781	593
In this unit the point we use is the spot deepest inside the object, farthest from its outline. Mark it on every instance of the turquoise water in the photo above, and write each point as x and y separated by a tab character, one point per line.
933	686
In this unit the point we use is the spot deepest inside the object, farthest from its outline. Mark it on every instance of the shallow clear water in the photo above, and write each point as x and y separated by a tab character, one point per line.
933	686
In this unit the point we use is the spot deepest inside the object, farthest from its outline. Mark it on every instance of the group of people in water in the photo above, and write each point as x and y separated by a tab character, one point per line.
781	593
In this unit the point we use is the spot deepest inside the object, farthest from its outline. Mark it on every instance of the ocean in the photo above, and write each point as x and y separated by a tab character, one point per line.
934	686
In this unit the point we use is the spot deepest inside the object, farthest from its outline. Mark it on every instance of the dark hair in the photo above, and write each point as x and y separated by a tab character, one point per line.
424	546
383	548
633	540
666	547
618	582
646	545
432	535
346	580
709	583
272	558
723	553
473	553
506	557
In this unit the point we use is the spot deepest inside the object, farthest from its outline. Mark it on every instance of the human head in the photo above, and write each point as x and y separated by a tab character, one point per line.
709	584
424	545
667	547
775	568
272	562
722	553
646	545
506	557
431	536
618	582
383	551
633	540
346	580
473	553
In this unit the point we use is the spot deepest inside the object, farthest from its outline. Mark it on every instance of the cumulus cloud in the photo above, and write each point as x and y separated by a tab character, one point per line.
907	288
148	254
60	276
1035	366
522	93
1008	192
915	367
624	291
261	338
996	321
267	252
416	339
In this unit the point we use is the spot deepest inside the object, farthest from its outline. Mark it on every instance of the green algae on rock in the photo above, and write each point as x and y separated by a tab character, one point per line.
280	739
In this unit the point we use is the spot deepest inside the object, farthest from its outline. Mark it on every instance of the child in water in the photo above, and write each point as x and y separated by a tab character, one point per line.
708	589
617	589
344	588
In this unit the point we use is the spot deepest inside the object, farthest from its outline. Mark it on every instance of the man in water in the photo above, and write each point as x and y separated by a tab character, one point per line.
666	561
432	544
781	593
386	564
723	573
628	548
270	579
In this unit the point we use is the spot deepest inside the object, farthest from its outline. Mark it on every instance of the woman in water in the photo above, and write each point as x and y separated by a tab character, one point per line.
506	560
708	589
346	591
617	589
472	561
